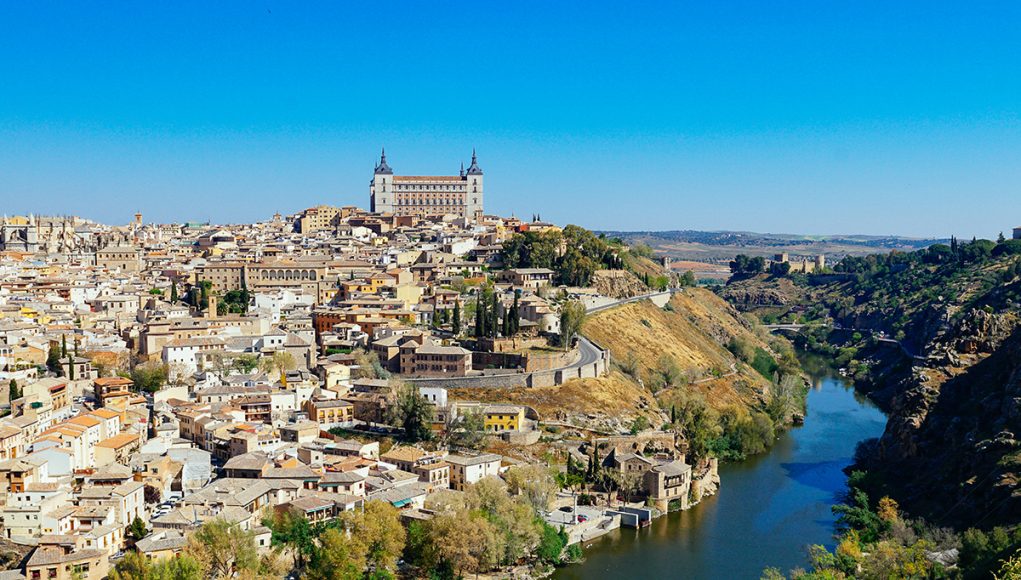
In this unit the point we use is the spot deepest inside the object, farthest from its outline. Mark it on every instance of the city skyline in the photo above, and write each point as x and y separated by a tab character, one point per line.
863	119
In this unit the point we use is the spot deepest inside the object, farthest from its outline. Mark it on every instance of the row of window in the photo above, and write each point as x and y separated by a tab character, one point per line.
430	202
431	187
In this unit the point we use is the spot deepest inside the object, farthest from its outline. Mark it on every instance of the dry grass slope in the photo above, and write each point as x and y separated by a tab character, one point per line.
693	333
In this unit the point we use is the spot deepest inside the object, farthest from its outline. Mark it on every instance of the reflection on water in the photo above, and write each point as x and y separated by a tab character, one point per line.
770	508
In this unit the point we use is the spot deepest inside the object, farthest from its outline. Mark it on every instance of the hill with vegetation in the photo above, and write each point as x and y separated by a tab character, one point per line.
576	254
934	336
695	366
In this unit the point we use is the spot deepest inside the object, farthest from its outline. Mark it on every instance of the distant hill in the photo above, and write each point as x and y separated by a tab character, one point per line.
723	245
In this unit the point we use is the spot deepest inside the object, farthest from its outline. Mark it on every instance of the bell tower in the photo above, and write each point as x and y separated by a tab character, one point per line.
474	193
381	194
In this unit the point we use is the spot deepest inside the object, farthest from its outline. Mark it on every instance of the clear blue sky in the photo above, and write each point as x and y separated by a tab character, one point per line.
813	117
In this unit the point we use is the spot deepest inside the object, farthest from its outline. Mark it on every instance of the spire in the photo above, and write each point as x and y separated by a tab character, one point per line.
474	168
462	169
383	168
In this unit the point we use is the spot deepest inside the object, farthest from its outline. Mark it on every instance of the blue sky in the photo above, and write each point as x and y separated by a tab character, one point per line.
812	117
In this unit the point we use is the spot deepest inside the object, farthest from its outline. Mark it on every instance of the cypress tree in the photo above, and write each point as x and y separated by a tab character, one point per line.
480	314
457	318
494	318
13	392
53	359
515	317
63	346
173	292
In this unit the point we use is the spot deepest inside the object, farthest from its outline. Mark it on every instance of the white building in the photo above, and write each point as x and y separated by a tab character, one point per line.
421	195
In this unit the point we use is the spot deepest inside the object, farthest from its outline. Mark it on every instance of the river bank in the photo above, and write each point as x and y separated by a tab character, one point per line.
769	510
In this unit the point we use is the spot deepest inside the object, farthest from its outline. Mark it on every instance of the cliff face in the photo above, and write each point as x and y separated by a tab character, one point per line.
956	434
762	291
618	284
944	359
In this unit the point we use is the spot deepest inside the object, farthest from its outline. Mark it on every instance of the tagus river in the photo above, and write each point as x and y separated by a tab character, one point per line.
769	509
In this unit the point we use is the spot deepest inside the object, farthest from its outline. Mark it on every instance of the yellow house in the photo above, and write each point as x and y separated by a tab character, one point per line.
410	294
504	418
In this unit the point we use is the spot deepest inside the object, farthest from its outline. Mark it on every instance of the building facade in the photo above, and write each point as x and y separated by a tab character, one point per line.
421	195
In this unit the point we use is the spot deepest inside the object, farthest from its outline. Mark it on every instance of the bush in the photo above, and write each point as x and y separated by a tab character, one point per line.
551	544
764	363
1007	248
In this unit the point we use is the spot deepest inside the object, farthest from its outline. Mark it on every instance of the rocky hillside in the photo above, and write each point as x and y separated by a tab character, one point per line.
957	433
618	283
763	291
935	337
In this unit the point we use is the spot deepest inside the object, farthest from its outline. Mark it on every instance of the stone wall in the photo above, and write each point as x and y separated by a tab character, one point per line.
521	379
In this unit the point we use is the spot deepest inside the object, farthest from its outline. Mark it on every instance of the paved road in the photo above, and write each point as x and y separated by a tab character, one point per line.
590	353
614	304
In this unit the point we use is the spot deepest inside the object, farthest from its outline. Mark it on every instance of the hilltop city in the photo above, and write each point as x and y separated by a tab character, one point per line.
160	379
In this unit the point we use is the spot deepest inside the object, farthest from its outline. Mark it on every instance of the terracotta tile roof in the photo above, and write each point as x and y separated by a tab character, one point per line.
118	441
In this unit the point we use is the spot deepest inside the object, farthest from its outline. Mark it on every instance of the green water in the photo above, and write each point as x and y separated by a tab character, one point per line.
768	510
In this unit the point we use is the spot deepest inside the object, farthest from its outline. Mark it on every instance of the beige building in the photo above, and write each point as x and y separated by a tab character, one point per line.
469	469
320	218
422	195
123	258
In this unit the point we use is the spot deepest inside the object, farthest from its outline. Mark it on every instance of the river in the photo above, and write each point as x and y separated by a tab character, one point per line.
768	510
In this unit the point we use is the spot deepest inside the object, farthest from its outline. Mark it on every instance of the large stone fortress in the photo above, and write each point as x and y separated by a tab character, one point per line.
427	195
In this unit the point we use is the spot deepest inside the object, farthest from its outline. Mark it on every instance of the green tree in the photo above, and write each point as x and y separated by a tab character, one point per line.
137	530
698	424
13	391
149	377
53	359
456	324
71	362
294	532
173	292
245	363
468	431
135	566
515	314
480	317
224	549
572	317
338	556
551	544
378	527
411	411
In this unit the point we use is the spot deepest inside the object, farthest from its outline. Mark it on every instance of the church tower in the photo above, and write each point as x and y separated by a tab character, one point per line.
473	195
381	189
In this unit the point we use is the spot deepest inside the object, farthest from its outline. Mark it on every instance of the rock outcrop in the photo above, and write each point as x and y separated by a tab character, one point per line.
618	284
954	424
